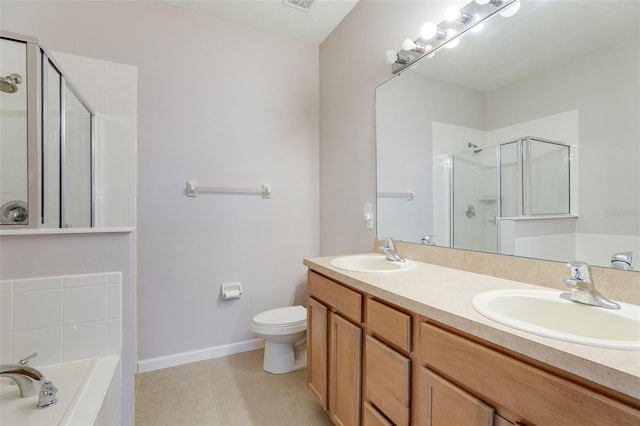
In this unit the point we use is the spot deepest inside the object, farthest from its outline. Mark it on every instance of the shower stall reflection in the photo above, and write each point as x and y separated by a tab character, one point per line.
46	141
491	188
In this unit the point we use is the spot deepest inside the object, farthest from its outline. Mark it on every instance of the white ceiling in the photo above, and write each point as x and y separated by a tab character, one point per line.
274	17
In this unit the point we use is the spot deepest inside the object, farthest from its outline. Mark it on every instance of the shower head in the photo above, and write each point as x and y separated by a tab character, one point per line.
472	145
9	84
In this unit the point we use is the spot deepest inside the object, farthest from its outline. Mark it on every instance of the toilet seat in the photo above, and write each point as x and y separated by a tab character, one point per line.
282	317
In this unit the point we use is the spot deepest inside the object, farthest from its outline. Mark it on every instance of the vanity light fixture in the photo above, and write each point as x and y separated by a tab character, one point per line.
430	30
453	14
391	57
447	33
415	46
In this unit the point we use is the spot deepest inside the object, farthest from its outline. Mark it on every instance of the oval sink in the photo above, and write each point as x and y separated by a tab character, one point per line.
544	313
371	263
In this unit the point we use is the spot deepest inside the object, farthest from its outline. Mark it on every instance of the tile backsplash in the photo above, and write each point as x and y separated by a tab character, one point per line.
62	318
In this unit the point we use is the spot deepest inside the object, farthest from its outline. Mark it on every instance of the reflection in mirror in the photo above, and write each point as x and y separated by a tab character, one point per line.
566	84
13	134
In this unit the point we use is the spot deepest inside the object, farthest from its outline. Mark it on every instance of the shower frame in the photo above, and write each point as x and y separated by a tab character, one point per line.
523	184
37	60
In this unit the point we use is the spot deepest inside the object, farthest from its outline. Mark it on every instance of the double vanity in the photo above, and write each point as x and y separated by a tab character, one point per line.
402	343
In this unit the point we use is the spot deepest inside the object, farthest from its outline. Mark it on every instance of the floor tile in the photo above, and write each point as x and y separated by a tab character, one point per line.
227	391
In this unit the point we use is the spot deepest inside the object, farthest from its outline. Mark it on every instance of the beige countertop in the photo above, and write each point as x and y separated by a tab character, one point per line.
445	294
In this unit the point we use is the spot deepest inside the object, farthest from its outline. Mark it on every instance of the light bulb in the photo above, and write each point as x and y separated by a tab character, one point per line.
451	14
511	10
428	31
390	56
482	1
408	44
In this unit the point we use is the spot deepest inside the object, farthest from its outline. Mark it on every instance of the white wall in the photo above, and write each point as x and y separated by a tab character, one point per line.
210	111
351	67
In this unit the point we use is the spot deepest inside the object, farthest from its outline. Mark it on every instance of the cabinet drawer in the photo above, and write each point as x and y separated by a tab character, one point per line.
388	380
371	417
339	297
536	395
389	324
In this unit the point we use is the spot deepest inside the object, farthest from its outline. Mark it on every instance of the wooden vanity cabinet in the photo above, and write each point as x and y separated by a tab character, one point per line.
521	393
372	363
387	369
441	403
334	348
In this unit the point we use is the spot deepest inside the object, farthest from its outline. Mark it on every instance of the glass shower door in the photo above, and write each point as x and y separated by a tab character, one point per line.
14	180
474	206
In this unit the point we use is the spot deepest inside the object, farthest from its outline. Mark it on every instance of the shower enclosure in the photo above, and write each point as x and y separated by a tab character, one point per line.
46	141
523	179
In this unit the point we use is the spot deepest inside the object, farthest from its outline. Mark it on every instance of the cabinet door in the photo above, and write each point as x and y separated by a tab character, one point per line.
388	380
444	404
345	349
317	350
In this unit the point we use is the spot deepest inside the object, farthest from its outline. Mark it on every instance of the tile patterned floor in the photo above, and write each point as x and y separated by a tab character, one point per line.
229	391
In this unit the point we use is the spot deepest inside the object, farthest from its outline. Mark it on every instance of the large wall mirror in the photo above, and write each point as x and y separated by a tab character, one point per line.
522	140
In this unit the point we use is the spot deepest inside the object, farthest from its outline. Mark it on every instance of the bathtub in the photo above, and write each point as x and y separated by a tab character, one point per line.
88	392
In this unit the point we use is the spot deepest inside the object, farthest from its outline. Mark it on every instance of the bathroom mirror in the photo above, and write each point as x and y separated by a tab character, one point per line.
567	72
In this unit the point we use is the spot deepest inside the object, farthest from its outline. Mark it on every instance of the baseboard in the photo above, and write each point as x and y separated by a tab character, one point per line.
199	355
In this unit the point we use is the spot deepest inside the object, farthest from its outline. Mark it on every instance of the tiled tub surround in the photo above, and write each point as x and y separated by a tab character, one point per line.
62	318
445	294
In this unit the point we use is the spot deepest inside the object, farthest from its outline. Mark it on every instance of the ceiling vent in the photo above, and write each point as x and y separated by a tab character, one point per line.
303	5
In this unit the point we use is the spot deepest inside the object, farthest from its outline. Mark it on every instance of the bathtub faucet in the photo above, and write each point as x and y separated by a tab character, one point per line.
30	381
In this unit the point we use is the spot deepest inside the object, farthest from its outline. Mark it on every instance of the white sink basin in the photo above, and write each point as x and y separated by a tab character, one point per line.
544	313
371	263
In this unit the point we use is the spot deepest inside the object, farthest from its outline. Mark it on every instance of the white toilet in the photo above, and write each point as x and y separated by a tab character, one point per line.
285	331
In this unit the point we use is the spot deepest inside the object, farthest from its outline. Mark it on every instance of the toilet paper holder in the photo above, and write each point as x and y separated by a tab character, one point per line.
230	291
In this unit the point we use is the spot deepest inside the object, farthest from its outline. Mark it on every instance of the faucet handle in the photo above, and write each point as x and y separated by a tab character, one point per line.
47	395
25	360
580	270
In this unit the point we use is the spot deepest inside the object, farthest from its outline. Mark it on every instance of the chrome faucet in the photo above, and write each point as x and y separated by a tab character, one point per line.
582	289
428	240
389	248
622	261
30	381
